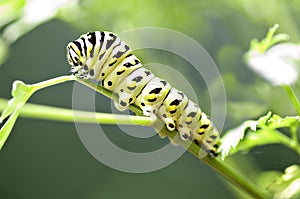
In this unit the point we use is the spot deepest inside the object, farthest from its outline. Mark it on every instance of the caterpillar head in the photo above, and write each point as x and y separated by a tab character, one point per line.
80	53
75	55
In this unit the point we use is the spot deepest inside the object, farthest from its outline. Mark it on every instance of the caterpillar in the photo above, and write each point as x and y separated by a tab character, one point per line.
105	58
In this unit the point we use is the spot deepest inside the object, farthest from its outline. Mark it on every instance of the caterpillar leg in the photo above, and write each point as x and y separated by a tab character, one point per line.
188	119
172	107
206	135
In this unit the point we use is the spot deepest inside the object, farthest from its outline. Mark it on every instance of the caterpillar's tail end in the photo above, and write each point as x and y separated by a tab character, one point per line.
213	153
207	149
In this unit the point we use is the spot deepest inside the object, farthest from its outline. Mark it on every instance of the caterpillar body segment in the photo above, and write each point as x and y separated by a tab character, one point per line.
128	90
153	95
120	72
171	109
104	57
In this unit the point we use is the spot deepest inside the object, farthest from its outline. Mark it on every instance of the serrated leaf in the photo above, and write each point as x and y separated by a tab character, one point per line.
288	184
232	137
265	119
273	121
259	138
263	131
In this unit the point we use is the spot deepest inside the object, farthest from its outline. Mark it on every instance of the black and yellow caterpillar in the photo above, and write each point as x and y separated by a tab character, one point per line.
104	57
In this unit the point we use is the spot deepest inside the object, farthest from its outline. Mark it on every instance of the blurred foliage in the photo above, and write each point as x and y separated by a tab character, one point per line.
32	41
288	184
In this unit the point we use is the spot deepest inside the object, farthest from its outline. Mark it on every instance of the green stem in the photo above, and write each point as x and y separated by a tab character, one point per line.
51	82
285	140
236	178
36	111
294	136
292	97
231	175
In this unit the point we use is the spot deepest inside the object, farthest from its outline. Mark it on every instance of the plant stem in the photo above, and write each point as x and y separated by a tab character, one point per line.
236	178
294	136
285	140
230	174
36	111
52	82
292	97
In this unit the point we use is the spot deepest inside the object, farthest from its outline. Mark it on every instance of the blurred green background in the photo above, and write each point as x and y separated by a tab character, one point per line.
45	159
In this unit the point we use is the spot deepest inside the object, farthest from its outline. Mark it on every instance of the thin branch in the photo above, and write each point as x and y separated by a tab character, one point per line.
43	112
53	81
288	142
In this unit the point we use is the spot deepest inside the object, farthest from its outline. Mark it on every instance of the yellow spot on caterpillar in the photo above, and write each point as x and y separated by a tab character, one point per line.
132	84
173	108
198	137
201	131
151	96
188	119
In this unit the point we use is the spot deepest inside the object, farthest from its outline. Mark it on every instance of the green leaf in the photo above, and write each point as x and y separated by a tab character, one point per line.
20	92
288	184
232	137
270	40
279	38
261	132
259	138
7	127
273	121
20	95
